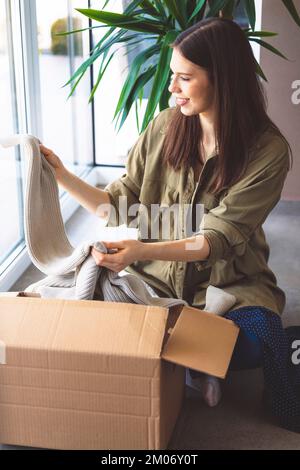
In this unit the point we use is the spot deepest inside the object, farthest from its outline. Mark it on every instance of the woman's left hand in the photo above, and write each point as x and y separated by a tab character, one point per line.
127	252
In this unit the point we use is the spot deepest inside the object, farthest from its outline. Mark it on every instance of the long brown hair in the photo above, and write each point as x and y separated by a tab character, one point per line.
220	46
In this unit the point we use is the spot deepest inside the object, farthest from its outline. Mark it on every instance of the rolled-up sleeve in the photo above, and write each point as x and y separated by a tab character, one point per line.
229	226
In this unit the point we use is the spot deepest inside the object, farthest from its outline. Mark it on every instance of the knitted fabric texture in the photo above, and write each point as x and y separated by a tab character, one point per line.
71	271
218	301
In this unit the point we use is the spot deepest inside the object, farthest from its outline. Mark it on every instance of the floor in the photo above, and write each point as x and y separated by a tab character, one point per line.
238	422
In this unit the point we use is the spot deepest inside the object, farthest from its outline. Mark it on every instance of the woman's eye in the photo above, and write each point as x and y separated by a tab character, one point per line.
181	78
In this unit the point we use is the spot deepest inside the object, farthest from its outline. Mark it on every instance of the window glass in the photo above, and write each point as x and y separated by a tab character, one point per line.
10	183
66	123
240	16
112	147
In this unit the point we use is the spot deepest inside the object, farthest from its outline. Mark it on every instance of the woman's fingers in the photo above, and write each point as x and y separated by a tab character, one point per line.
51	158
118	245
45	150
109	261
104	258
113	266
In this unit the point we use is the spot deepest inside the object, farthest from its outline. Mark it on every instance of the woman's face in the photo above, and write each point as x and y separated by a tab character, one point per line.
190	86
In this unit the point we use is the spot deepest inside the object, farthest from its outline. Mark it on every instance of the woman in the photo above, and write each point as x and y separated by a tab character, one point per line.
217	148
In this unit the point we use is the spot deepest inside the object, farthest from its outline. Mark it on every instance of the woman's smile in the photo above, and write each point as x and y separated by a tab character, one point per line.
182	101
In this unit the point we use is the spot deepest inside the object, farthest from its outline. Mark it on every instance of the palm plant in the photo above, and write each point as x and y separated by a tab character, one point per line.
158	23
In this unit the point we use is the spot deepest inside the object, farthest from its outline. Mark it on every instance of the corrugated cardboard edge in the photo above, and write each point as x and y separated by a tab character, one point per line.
2	352
20	294
172	393
201	341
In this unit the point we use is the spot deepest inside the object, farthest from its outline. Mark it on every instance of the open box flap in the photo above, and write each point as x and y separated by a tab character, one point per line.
202	341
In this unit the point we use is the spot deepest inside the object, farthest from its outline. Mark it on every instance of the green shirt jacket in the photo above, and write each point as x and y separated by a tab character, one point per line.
232	220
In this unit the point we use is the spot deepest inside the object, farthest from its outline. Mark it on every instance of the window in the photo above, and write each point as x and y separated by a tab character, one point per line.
66	123
11	233
111	148
240	16
34	66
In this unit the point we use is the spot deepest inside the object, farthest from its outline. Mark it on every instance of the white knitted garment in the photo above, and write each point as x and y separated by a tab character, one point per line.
71	272
218	301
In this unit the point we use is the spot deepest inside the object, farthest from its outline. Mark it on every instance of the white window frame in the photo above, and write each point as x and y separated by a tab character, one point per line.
26	62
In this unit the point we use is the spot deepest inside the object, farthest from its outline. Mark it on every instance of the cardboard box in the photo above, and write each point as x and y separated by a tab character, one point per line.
101	375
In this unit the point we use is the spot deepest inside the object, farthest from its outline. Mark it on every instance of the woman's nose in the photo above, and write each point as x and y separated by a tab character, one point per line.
173	87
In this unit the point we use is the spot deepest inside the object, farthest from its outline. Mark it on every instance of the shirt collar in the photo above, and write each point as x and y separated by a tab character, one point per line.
213	154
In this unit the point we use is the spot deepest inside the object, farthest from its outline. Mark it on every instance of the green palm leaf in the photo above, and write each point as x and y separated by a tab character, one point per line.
66	33
269	47
259	71
289	4
121	20
147	6
200	5
159	5
134	71
97	51
134	92
177	10
227	10
216	6
74	86
250	10
260	33
100	74
83	67
160	78
164	99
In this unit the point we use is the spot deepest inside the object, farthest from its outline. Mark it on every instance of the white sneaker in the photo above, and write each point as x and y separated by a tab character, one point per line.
207	385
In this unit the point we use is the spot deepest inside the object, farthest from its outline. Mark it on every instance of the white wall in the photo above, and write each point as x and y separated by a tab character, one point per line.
281	75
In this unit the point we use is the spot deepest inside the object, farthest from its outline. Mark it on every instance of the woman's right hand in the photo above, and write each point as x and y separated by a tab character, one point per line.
54	160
